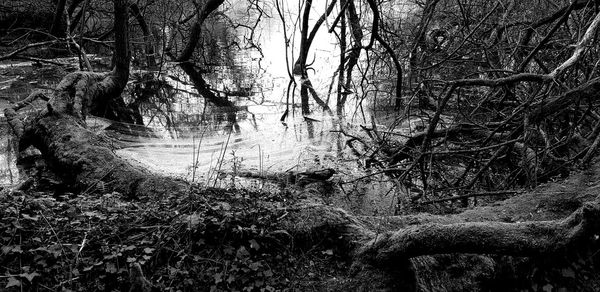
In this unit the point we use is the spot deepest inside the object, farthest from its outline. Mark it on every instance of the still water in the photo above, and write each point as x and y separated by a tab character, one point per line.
212	154
198	146
259	142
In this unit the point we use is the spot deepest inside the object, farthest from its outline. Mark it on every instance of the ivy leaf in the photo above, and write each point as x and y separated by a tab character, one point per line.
228	250
254	245
258	283
93	214
6	249
218	278
568	273
242	252
29	276
17	249
268	273
34	218
255	266
55	250
13	282
111	268
328	252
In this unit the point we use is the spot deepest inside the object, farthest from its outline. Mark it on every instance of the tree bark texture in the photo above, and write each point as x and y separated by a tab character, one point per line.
85	160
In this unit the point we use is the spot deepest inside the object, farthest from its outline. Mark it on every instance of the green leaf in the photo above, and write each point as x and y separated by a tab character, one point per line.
34	218
568	273
254	245
6	249
111	268
228	250
218	278
17	249
13	282
258	283
230	279
268	273
55	250
242	252
93	214
255	266
29	276
148	250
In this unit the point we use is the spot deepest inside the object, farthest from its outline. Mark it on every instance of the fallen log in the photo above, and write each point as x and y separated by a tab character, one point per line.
531	238
83	159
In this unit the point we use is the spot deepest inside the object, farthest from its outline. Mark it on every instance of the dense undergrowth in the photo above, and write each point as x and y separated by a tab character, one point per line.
209	240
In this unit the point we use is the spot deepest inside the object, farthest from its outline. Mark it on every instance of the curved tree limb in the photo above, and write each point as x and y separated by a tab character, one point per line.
184	58
515	239
580	47
15	53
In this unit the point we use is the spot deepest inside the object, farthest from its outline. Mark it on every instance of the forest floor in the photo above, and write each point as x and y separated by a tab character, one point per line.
209	240
231	240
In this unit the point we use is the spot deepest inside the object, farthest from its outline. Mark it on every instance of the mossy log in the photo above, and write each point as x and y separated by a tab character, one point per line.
84	159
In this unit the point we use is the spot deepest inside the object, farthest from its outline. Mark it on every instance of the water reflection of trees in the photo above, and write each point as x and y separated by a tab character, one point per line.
164	102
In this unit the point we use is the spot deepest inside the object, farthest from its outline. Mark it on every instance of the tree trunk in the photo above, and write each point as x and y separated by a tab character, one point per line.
352	57
59	14
149	51
80	93
300	66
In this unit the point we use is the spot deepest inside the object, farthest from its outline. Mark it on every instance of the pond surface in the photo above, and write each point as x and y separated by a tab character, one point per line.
215	155
199	147
262	144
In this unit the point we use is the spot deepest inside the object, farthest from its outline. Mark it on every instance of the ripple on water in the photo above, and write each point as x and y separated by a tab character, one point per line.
266	145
